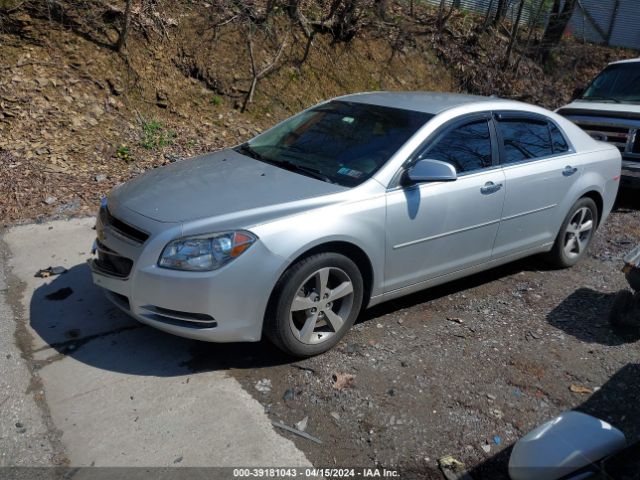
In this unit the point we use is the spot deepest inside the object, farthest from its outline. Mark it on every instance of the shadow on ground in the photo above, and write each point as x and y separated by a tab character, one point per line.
535	263
584	315
81	323
616	402
628	199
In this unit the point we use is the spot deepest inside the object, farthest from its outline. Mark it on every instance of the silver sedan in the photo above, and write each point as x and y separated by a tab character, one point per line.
355	201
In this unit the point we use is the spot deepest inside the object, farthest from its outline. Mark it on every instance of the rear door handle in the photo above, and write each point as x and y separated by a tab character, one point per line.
490	187
569	170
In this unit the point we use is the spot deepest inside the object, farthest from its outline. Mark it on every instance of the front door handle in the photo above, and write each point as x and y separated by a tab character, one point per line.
569	170
490	187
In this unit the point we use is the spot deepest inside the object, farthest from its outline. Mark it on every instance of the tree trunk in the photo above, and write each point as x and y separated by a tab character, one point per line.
514	34
381	9
126	21
501	11
555	28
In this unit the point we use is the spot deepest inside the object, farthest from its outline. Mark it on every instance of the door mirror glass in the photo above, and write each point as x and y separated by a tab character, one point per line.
431	171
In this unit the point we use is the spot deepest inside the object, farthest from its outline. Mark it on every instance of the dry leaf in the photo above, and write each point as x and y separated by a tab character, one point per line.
342	380
580	389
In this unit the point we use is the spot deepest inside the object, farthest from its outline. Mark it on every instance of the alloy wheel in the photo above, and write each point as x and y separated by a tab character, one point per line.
322	304
578	232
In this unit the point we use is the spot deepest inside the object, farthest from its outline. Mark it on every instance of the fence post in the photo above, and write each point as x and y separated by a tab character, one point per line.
612	22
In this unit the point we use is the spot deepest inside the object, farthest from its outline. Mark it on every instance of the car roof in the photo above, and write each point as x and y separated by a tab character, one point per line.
628	60
426	102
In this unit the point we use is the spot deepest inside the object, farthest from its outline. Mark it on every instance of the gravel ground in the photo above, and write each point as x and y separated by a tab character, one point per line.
464	369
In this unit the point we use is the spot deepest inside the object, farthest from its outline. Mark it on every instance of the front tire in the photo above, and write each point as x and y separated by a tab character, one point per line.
314	304
575	234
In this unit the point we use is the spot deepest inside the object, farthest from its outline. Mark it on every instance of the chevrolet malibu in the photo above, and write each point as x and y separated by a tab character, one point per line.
353	202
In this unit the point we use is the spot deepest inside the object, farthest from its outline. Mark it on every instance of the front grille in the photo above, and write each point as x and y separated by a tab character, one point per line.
122	228
613	134
111	263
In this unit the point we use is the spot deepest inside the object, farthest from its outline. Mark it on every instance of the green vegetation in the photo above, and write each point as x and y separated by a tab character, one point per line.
215	101
124	153
154	135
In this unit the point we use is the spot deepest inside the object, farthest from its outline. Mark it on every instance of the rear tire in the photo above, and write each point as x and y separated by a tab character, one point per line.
575	235
624	311
314	304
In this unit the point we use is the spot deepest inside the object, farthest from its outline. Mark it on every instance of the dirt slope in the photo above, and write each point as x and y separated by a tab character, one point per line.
77	118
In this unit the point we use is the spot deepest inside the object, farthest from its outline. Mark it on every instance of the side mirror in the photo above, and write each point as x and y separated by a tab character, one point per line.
431	171
577	92
562	446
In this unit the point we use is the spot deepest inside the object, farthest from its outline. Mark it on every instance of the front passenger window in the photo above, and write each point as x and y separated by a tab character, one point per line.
467	147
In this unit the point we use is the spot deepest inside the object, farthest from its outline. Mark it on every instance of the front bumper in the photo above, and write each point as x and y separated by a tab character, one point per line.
630	173
224	305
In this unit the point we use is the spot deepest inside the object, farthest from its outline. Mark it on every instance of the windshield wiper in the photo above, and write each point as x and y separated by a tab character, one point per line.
250	152
294	167
596	97
246	149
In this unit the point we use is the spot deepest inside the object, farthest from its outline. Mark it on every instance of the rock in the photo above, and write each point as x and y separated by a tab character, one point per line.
335	416
490	396
264	385
343	380
289	394
101	177
486	448
162	99
50	200
496	413
302	424
42	150
178	460
115	86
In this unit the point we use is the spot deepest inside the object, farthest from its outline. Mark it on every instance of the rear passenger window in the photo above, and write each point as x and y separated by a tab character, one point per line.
467	147
559	142
525	139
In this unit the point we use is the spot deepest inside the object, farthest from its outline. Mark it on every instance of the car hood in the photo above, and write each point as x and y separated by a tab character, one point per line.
625	110
217	184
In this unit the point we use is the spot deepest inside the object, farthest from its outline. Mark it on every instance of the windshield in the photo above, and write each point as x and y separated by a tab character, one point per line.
338	142
617	83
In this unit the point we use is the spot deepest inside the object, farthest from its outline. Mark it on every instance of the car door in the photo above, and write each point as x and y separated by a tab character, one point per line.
441	227
538	170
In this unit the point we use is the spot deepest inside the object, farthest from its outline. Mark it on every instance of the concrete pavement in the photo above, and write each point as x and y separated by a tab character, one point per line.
120	393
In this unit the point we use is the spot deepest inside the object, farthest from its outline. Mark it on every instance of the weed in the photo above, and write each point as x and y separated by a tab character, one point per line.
216	101
124	153
155	136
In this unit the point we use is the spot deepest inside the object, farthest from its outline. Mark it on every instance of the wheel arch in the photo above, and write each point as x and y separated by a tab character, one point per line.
599	201
349	250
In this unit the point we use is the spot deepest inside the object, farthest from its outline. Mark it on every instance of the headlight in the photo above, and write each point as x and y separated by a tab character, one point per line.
205	252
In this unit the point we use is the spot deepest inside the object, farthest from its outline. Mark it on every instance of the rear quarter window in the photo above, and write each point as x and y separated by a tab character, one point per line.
560	144
525	139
